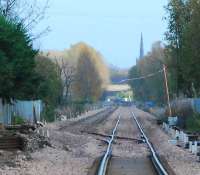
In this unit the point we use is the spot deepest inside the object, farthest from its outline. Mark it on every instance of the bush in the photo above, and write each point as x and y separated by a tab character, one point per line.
193	123
48	113
17	80
18	120
50	88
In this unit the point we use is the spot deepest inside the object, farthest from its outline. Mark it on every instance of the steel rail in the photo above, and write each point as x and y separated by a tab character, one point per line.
106	157
161	170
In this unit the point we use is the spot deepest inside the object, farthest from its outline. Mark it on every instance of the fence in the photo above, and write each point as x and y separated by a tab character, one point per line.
196	105
28	110
182	137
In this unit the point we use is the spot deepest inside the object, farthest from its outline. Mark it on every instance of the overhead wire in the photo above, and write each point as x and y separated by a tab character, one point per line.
142	77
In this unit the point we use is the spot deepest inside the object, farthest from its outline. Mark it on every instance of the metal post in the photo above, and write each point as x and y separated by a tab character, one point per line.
167	90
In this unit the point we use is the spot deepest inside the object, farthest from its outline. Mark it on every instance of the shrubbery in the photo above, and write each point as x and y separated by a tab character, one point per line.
18	120
17	65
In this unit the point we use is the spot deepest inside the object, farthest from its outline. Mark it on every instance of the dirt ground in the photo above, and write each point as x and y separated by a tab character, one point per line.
72	153
75	146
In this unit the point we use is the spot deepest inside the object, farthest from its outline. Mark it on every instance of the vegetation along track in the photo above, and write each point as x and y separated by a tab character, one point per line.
112	164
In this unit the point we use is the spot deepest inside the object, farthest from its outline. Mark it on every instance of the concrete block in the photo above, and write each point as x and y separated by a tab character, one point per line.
177	134
47	133
186	139
194	148
181	136
190	146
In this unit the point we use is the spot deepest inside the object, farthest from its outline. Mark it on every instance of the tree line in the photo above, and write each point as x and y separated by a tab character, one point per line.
28	74
149	88
84	75
180	53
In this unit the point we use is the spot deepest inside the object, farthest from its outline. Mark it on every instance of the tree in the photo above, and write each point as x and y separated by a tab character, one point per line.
6	7
191	51
68	76
17	63
84	76
136	85
29	13
149	88
50	88
183	45
178	17
91	75
117	74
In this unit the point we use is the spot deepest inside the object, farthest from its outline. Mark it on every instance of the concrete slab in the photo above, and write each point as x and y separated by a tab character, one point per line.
131	166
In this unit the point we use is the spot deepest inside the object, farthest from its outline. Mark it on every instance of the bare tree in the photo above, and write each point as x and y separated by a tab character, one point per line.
6	6
67	73
30	13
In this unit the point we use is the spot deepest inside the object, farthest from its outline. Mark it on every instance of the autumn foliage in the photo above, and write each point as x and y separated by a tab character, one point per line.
91	74
150	88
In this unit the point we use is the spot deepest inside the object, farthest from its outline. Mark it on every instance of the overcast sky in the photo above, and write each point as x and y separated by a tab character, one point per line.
113	27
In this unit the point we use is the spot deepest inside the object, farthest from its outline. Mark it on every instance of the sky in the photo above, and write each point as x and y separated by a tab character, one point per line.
113	27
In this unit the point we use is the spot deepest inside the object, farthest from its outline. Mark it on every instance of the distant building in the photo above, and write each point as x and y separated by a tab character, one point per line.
141	49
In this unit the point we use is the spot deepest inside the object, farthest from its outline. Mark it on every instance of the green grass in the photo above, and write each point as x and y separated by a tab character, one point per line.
193	123
18	120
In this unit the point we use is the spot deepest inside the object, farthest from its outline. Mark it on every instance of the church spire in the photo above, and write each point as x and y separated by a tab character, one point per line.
141	48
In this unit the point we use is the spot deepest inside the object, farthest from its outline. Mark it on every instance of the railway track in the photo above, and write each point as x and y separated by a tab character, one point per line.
154	156
87	124
108	153
112	165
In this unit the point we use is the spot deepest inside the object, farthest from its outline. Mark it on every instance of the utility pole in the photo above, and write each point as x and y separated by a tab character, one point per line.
167	90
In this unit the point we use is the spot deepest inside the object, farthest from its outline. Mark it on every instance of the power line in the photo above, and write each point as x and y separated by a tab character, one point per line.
142	77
